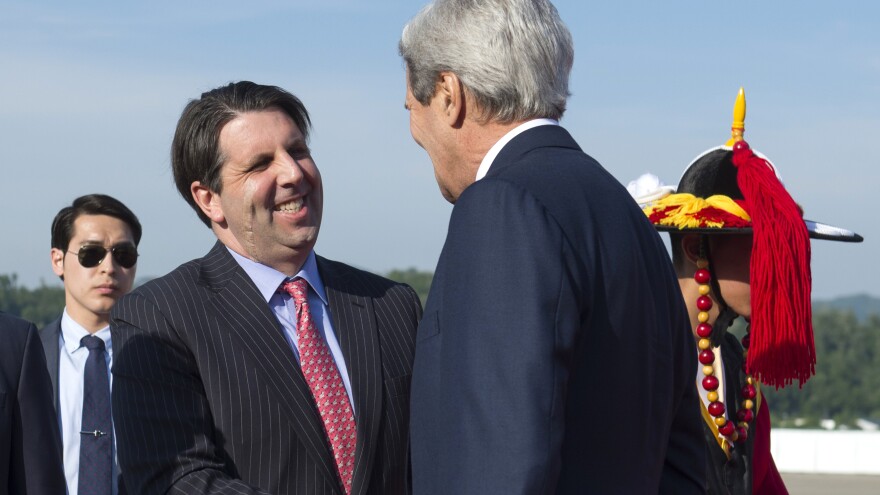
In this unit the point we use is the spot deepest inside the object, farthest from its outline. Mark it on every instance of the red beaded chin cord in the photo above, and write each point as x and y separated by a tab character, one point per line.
707	359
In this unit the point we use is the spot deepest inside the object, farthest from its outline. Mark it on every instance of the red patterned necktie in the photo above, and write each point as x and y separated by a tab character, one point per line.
322	375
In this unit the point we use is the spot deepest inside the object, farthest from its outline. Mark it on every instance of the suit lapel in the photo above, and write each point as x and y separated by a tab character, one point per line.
354	323
50	335
257	332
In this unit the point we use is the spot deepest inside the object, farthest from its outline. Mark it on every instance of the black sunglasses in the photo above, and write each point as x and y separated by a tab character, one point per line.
91	255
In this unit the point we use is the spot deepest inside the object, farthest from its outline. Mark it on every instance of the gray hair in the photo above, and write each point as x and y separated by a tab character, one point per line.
512	56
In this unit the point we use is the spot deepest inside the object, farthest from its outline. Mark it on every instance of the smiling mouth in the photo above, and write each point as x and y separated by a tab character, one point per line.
291	206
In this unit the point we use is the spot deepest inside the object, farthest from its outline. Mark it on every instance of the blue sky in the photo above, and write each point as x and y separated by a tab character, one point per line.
91	92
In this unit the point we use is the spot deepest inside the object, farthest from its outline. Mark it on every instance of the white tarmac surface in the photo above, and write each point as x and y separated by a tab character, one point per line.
831	484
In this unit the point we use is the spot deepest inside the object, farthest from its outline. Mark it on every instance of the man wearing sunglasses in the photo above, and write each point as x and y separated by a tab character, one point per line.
94	252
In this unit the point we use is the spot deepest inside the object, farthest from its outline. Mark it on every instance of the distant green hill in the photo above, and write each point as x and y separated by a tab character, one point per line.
44	303
420	281
861	305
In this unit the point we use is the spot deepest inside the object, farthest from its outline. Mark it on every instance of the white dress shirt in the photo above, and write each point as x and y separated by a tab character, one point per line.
496	148
72	358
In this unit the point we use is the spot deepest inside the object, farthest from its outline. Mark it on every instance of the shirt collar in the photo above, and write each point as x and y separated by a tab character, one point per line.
496	148
72	333
268	279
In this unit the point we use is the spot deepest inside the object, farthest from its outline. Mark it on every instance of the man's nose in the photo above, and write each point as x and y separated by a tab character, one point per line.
290	169
109	264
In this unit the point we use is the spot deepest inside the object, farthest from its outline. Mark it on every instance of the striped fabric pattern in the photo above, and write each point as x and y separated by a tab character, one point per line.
208	398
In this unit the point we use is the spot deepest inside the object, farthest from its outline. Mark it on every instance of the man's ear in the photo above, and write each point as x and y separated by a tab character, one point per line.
57	257
690	246
451	98
208	201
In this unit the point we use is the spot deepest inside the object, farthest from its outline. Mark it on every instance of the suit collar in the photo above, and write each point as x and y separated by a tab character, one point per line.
218	268
497	147
268	279
265	278
545	136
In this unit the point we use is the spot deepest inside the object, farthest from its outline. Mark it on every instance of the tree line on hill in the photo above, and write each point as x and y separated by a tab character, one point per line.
846	386
40	306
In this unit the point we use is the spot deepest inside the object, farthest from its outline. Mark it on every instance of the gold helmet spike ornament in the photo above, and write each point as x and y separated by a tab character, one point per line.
739	119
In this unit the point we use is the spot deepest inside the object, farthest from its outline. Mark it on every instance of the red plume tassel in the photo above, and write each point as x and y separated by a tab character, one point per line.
782	347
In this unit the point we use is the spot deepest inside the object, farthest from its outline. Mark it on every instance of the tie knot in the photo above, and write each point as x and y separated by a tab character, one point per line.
297	288
92	343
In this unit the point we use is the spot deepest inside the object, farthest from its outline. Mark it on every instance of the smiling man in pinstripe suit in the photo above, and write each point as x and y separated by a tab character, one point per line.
261	367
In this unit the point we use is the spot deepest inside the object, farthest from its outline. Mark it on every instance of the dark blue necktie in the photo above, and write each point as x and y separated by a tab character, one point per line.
96	435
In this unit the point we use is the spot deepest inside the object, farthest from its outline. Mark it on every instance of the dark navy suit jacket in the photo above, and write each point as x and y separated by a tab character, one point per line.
555	354
30	443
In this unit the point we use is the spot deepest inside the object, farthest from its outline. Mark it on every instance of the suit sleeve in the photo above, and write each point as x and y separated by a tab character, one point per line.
165	437
36	435
490	367
684	468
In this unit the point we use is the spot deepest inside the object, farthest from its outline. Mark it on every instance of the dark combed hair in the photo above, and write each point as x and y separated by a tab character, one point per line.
91	204
195	150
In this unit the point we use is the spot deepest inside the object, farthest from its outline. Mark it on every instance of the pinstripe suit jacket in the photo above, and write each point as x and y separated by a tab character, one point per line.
208	398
